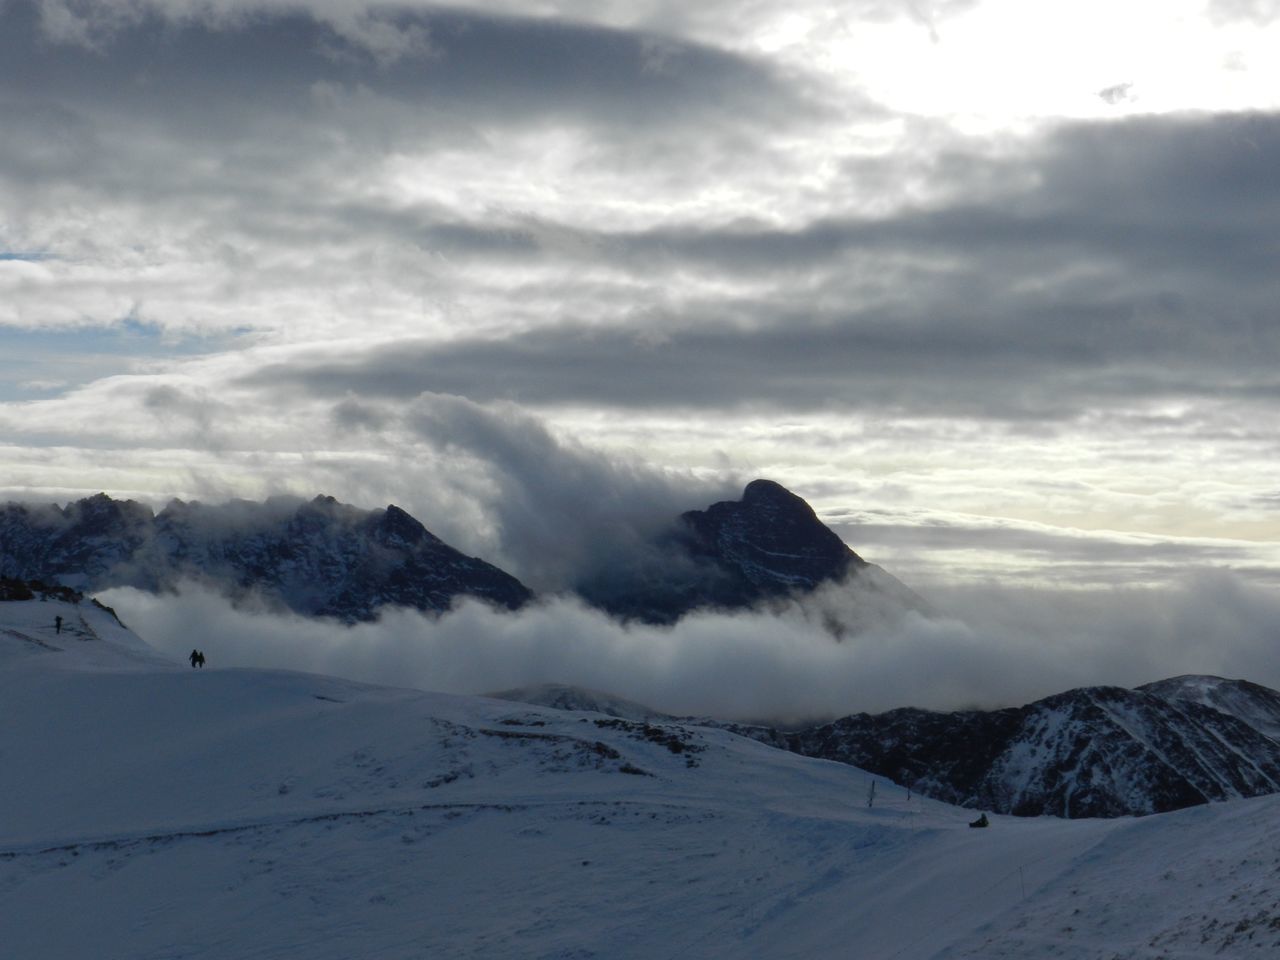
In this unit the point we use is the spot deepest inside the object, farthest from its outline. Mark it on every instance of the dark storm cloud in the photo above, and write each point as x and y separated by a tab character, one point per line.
562	511
1168	195
201	77
720	367
1124	262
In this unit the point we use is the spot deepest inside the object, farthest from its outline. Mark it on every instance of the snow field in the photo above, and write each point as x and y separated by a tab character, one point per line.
151	811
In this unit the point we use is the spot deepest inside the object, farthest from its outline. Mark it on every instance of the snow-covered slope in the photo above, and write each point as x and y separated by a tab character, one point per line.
1090	752
148	810
562	696
1256	705
318	557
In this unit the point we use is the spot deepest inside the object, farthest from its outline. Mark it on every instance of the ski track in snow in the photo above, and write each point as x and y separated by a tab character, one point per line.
151	812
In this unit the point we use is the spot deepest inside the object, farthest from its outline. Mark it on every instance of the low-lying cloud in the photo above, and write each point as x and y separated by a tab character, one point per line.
991	647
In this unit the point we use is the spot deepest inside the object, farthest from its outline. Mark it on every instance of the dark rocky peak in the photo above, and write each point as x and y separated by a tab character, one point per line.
770	537
769	494
100	514
395	527
735	555
323	512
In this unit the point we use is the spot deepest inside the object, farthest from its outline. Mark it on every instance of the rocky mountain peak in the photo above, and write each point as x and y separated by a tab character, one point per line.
771	538
771	492
734	555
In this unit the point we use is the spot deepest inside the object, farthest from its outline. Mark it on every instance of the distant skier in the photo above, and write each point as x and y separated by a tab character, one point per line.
200	659
57	624
195	658
982	821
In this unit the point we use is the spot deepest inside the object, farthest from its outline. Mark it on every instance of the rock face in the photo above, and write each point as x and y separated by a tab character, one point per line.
1091	752
736	555
319	558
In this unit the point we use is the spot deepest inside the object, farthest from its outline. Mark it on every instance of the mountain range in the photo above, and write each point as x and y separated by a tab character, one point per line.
1097	751
324	558
1087	752
317	557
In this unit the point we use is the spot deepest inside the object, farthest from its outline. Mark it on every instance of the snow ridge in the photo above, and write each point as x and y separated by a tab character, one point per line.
1091	752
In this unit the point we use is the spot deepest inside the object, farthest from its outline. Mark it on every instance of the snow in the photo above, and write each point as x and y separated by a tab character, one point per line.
148	810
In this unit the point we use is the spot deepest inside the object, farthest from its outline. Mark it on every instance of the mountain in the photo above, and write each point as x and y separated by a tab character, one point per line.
318	557
1256	705
766	548
324	558
152	810
1090	752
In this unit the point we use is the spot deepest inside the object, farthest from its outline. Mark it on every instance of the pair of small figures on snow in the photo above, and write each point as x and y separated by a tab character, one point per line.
197	659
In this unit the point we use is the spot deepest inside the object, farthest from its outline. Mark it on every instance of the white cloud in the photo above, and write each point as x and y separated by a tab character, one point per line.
997	648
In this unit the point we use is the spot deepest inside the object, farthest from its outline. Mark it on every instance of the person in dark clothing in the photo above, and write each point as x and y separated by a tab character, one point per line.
57	624
195	658
982	821
200	659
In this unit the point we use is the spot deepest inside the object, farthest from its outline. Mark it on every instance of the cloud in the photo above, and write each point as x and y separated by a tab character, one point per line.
672	234
563	512
1255	12
1118	93
1000	647
1115	267
930	547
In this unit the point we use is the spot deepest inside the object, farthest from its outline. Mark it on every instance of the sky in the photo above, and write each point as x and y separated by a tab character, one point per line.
993	285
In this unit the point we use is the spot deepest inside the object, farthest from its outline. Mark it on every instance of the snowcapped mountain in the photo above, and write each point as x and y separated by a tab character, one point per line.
152	810
1091	752
324	558
1256	705
740	554
320	558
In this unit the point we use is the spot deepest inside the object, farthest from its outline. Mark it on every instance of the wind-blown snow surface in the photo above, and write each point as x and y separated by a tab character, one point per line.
151	811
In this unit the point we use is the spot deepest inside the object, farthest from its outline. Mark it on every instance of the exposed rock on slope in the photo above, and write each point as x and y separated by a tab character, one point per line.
1091	752
1256	705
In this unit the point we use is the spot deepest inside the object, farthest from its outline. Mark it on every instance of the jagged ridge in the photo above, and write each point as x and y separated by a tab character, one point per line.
1090	752
320	558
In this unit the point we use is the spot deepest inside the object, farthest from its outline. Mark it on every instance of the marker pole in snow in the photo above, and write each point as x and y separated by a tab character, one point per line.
871	794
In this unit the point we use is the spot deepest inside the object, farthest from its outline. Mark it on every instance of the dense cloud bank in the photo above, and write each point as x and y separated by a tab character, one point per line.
992	647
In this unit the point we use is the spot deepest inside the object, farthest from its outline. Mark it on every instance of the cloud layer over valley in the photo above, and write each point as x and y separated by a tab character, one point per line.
988	647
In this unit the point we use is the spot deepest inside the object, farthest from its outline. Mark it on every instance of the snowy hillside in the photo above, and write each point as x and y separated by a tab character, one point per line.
1256	705
1088	752
149	810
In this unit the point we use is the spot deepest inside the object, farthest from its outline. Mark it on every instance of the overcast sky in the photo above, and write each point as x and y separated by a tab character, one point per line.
993	284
